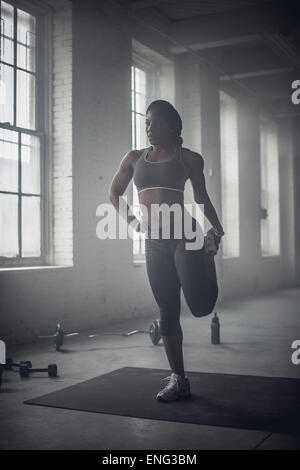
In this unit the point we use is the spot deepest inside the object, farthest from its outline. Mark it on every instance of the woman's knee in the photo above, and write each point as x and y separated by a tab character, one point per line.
169	327
203	311
206	303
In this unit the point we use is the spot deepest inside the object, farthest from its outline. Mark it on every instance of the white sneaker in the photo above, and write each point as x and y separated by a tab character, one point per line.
177	387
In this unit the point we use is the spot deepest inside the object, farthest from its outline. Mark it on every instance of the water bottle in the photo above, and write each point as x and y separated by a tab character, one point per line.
215	330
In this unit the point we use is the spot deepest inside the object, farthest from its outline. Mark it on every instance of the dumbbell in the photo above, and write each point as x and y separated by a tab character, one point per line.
25	370
10	363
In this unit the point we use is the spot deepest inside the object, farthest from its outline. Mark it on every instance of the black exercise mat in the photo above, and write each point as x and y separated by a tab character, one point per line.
236	401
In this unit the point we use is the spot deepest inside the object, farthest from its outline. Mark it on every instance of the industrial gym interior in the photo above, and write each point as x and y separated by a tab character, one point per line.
76	79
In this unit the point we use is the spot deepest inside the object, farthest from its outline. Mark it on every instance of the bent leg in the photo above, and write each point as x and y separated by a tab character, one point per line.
197	274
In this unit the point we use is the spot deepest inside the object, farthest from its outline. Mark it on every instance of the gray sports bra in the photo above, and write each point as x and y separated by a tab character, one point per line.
169	174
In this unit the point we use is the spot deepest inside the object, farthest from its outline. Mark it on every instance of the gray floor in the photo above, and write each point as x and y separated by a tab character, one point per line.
256	335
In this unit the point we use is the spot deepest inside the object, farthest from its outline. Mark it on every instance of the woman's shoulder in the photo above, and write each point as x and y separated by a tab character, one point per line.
190	157
134	155
138	153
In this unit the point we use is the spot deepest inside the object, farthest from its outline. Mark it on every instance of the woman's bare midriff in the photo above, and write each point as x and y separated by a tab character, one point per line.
158	196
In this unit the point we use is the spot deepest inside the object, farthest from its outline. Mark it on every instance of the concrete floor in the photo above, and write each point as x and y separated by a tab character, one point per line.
256	335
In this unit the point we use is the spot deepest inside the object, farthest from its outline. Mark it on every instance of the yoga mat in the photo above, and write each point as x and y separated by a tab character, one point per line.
236	401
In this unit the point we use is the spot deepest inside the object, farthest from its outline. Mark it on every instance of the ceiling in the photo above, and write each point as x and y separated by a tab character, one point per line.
253	44
179	10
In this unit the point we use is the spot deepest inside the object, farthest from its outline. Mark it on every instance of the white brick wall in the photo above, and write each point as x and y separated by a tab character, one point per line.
62	137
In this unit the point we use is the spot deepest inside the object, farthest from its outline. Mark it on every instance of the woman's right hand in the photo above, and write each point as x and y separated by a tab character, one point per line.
138	226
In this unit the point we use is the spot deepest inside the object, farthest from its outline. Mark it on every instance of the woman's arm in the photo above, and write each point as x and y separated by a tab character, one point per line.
201	196
119	184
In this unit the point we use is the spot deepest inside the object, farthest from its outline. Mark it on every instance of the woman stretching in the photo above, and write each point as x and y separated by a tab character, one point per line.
159	173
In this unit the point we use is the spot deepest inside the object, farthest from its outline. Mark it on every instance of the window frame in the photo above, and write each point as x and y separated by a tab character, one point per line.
266	126
228	102
43	130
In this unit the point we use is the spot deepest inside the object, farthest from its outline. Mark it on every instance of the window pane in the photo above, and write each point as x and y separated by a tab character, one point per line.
30	156
140	81
26	40
141	136
25	100
132	76
26	56
6	98
140	103
270	231
25	26
7	30
230	175
8	160
136	246
31	226
7	50
132	130
8	225
7	19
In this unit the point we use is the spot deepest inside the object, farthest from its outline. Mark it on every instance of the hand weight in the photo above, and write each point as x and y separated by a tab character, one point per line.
10	364
51	369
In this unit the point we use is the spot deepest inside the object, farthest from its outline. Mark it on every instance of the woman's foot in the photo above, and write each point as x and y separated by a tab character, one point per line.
177	387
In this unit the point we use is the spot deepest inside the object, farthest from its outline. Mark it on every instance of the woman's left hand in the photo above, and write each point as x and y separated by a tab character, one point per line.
219	232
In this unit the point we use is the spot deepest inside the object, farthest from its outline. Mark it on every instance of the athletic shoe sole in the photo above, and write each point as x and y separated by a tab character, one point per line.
182	396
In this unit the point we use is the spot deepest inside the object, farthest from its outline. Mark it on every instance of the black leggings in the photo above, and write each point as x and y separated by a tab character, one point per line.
170	267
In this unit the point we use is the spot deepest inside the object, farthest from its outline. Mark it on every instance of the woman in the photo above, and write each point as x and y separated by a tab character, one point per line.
159	173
